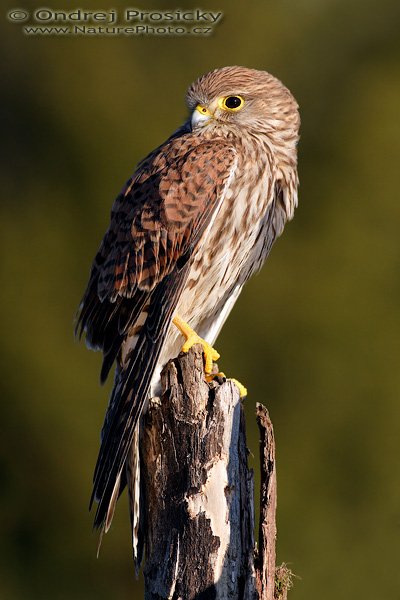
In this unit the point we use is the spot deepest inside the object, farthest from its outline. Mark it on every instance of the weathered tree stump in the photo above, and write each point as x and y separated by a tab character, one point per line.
198	492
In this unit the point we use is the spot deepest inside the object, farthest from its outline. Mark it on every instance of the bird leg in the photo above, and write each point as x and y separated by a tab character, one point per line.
210	354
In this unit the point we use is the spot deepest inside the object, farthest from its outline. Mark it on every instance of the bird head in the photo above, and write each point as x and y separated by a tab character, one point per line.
257	111
240	100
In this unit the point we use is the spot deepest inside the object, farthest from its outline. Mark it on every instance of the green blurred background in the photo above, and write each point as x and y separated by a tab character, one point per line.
315	336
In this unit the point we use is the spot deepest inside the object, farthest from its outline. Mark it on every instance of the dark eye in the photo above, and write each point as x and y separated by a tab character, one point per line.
232	102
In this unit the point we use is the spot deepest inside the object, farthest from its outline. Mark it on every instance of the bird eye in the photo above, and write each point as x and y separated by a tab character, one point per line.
232	103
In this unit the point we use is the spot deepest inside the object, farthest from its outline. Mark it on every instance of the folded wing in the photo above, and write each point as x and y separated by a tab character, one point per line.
142	265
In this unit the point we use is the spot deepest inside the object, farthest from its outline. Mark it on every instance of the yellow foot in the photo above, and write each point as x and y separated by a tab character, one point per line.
241	388
212	376
210	354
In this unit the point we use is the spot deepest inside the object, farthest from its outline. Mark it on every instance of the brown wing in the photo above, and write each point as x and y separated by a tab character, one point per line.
156	224
161	214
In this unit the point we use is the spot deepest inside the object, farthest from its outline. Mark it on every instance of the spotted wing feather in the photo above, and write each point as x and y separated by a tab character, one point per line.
160	213
156	225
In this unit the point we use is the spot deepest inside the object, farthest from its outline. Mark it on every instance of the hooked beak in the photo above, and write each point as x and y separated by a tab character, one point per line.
200	115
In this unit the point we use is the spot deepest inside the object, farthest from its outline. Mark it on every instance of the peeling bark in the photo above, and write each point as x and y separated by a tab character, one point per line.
267	531
198	492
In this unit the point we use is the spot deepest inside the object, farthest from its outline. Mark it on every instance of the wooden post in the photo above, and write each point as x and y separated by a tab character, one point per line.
198	492
265	560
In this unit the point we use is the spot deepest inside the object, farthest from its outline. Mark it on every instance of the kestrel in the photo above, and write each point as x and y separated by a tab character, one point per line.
197	218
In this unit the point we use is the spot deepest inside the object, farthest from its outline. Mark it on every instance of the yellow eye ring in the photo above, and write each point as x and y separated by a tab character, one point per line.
231	103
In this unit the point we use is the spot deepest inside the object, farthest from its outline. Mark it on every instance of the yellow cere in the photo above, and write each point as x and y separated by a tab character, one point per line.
203	110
